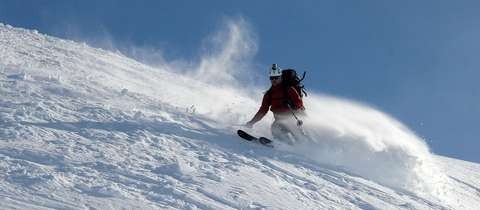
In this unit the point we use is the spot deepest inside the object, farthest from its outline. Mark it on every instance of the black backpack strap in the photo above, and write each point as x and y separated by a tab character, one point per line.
288	101
302	87
303	77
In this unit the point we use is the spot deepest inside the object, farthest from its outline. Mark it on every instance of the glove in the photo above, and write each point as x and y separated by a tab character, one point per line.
299	123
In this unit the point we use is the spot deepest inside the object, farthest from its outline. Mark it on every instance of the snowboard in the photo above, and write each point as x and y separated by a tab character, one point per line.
248	137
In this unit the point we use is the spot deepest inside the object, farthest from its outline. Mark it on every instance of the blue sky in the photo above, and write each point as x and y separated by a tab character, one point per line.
416	60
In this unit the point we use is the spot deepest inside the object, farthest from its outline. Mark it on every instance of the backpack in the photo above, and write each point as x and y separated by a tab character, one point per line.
291	79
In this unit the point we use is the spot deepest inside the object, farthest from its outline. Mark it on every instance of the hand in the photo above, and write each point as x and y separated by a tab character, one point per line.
299	123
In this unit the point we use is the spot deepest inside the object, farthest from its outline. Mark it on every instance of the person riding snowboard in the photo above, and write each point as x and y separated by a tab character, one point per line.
285	101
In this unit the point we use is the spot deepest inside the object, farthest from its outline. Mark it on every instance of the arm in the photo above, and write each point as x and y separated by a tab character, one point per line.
262	111
295	97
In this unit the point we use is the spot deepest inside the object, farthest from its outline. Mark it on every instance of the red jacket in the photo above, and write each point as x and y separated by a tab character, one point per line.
275	100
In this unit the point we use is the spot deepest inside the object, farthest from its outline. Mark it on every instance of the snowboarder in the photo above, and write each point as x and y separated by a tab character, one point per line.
285	101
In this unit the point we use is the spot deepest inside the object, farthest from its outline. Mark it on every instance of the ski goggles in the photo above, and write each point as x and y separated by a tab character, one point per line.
274	78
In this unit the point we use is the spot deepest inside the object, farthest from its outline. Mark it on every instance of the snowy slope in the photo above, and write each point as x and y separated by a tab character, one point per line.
85	128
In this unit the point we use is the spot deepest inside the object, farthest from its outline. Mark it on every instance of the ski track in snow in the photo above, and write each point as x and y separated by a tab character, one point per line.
84	128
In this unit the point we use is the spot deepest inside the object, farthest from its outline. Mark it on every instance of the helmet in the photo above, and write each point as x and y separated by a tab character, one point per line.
275	71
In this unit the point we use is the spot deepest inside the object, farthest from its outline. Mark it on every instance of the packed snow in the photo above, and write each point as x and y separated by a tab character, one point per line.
86	128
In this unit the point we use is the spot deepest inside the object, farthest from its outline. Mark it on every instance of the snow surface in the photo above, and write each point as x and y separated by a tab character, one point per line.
85	128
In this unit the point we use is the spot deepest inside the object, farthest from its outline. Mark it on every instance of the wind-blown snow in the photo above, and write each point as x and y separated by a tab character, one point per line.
87	128
369	143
